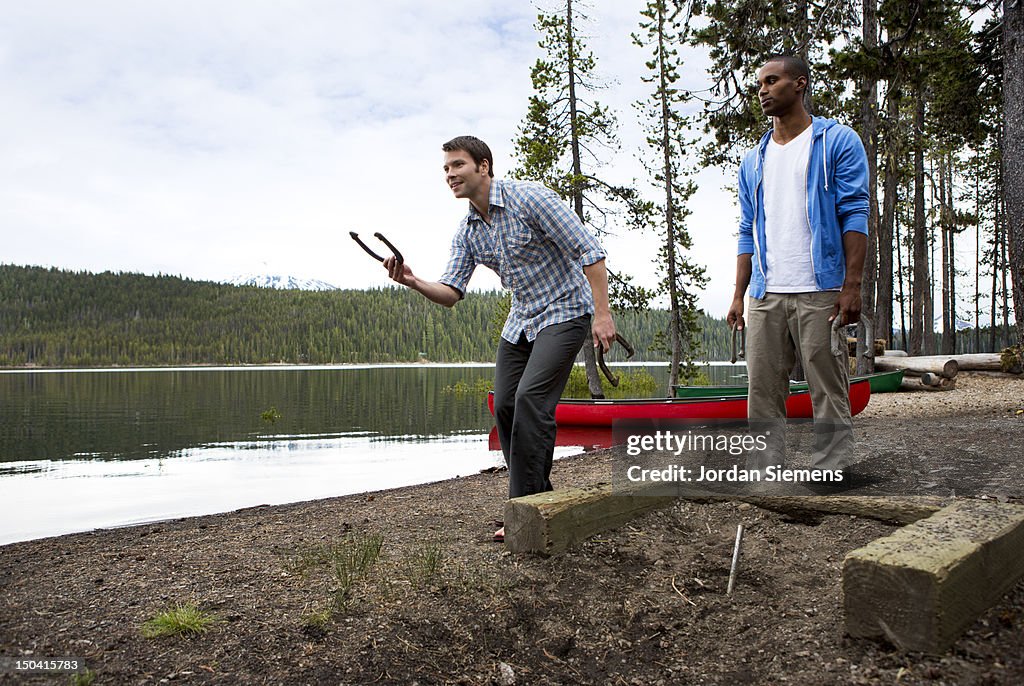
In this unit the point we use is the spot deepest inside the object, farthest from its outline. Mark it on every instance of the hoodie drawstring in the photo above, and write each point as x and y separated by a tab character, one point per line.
824	155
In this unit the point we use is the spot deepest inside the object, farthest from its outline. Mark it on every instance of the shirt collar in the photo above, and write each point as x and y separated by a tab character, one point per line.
495	198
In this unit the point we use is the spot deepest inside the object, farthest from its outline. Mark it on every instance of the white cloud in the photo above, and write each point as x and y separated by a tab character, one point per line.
211	139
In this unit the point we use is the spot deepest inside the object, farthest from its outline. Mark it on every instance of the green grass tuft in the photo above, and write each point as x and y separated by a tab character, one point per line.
353	558
477	387
633	383
86	678
424	564
180	620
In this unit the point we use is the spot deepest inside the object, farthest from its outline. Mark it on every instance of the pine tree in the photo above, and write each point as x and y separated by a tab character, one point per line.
558	142
666	132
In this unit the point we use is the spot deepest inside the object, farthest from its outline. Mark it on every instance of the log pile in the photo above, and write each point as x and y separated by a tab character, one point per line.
938	372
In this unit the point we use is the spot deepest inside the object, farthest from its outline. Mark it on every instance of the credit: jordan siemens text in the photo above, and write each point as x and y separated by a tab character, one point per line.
733	474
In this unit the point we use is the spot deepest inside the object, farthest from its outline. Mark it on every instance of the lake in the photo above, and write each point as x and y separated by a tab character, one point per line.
85	449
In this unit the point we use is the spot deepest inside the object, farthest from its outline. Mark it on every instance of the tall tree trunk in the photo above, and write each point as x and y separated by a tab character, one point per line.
1005	293
944	230
951	252
675	323
920	281
589	358
977	254
930	346
899	277
886	247
1013	150
869	135
996	224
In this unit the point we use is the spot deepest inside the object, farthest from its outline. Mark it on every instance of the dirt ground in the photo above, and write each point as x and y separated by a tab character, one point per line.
644	604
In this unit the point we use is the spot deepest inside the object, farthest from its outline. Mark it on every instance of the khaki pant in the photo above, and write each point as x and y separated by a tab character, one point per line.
780	327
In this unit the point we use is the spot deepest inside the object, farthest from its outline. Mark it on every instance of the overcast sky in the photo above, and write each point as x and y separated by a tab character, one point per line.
210	139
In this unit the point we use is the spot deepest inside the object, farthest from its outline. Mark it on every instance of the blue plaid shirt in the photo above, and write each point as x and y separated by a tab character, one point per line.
538	247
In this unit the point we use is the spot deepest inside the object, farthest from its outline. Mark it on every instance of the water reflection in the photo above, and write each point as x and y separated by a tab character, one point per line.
584	437
80	450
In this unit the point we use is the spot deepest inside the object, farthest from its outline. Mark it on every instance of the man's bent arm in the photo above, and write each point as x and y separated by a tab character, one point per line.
438	292
603	328
435	291
855	246
743	271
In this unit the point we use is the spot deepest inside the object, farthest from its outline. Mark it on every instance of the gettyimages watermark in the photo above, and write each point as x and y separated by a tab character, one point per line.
806	457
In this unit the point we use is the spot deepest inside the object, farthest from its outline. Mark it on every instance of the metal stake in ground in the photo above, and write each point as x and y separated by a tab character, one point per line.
735	559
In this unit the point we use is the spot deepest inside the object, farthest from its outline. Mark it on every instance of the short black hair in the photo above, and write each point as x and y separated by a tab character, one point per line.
794	66
476	148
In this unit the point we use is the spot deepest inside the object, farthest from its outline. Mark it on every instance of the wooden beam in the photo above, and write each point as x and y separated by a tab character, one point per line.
549	523
925	584
927	382
897	509
972	362
943	366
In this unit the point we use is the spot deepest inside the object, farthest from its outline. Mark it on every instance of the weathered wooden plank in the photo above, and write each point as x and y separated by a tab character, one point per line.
896	509
943	366
549	523
927	382
971	362
925	584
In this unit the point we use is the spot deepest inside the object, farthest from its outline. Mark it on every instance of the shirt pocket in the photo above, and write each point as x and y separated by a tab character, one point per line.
483	250
524	244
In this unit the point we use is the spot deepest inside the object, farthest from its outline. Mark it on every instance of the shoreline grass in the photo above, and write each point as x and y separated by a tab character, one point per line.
183	619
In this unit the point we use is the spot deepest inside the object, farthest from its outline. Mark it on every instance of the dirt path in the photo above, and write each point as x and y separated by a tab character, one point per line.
442	604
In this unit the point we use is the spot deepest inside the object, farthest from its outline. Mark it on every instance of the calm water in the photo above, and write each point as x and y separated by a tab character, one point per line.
87	449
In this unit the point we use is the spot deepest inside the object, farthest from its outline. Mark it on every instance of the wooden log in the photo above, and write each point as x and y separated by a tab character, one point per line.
943	366
549	523
969	362
925	584
893	353
915	383
898	509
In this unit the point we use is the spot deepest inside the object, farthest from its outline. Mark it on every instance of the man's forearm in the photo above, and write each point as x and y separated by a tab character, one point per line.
743	272
597	275
855	246
437	292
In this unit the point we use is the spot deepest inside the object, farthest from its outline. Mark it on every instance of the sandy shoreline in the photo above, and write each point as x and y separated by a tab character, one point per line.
443	604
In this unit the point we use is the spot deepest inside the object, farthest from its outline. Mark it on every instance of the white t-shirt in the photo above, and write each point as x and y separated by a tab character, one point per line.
787	234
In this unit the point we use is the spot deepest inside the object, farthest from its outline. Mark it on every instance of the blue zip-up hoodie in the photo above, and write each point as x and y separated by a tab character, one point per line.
838	198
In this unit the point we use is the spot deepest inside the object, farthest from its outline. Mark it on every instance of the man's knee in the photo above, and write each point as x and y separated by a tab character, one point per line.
504	404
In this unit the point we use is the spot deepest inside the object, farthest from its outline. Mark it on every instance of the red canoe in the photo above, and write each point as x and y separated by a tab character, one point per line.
586	437
604	412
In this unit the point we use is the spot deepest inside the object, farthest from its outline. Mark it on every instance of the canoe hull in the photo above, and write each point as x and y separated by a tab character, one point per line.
882	382
604	412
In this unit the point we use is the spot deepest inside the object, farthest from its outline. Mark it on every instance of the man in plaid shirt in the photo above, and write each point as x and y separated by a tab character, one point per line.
556	272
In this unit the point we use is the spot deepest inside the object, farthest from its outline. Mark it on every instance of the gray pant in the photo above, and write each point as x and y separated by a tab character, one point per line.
528	381
780	326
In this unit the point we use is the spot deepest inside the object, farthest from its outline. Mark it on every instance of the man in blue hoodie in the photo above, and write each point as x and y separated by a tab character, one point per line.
804	200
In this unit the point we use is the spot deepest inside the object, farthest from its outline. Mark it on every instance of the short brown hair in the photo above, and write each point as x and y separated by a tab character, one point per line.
476	148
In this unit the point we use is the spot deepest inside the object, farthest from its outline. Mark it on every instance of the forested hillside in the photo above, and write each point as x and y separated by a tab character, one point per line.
55	318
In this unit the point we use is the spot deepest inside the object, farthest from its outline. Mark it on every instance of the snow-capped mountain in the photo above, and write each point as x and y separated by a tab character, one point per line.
282	281
960	324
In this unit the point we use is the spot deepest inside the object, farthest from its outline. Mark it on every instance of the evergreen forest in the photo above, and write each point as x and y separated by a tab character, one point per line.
59	318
